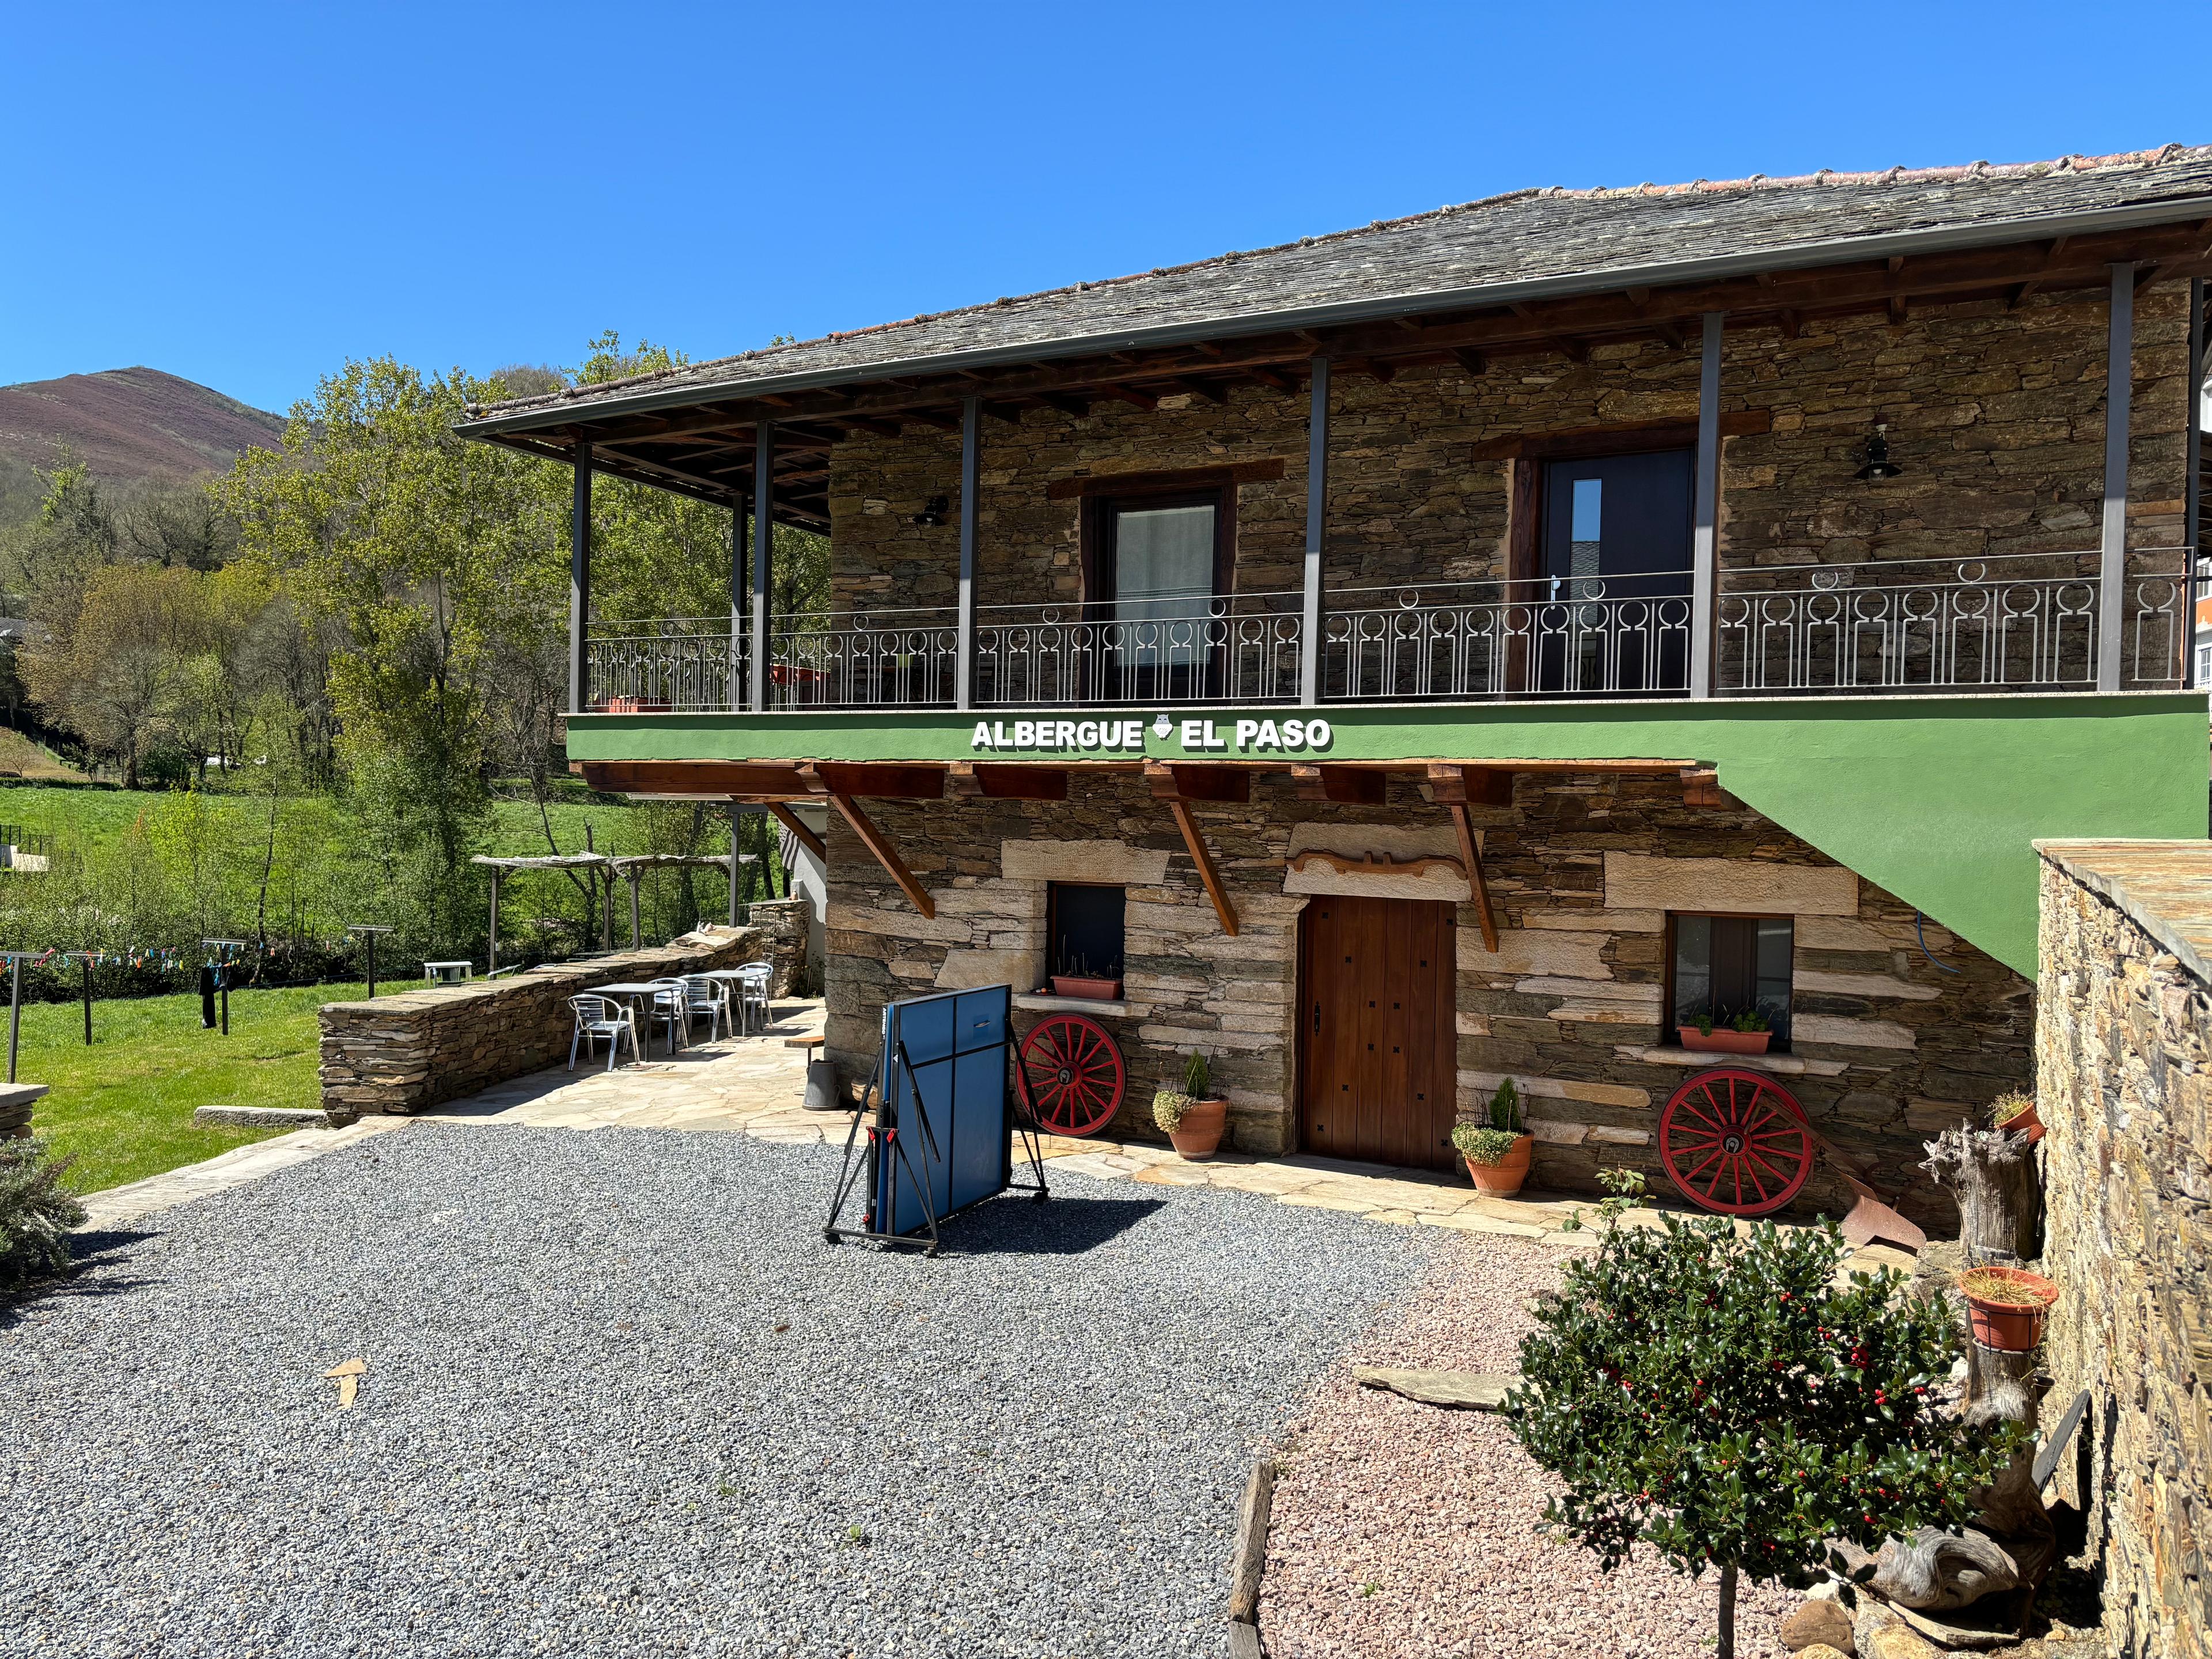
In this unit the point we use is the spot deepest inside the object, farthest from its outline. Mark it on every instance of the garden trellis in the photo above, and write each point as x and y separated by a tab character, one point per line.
629	867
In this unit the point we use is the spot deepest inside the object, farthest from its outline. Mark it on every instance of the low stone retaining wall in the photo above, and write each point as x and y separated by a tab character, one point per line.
420	1048
2124	1085
782	924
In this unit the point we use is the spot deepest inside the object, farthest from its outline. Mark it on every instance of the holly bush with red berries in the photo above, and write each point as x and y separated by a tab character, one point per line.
1712	1394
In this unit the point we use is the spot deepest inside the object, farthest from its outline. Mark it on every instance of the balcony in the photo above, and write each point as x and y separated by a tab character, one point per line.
2037	623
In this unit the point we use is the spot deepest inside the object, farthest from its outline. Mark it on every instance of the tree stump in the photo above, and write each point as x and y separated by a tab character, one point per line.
2000	1196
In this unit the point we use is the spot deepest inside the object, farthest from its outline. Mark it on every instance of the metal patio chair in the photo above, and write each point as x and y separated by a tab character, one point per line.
671	1007
754	979
601	1016
709	997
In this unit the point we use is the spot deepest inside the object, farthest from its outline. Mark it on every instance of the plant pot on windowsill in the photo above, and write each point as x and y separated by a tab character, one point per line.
637	706
1080	984
1496	1159
2006	1307
1723	1040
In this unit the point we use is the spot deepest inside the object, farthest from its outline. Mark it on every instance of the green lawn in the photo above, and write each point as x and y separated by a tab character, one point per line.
124	1106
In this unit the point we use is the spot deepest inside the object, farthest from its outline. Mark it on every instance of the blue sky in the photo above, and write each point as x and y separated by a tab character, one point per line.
248	195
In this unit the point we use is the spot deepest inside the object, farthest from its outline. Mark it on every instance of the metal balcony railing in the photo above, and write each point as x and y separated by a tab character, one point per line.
1458	641
2026	621
1238	647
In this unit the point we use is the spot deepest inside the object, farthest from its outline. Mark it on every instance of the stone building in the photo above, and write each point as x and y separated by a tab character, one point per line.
1488	644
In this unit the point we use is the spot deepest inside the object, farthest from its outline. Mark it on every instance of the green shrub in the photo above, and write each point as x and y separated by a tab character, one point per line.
1505	1109
1481	1143
1716	1397
1197	1077
1751	1019
1168	1107
36	1211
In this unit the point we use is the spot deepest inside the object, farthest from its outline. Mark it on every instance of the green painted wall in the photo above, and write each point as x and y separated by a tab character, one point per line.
1936	800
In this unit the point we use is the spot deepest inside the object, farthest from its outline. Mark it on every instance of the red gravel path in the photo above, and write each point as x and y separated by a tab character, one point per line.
1404	1530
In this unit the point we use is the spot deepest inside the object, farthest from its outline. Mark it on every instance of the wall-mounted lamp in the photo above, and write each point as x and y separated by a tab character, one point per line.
1878	464
933	511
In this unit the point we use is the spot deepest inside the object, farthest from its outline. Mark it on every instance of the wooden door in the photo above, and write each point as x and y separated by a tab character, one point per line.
1378	1043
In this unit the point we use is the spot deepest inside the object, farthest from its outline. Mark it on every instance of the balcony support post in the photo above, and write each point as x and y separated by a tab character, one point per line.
737	685
963	665
579	582
763	551
1316	515
1704	542
2192	522
2120	392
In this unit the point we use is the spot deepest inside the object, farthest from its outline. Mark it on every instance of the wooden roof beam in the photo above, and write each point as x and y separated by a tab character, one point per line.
975	780
1359	785
1194	842
885	854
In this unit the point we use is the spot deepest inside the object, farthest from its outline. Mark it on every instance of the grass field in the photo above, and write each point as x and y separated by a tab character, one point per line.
124	1106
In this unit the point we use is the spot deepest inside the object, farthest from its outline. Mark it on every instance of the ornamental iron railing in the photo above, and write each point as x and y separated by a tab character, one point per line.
1238	647
2024	621
678	665
1577	636
886	659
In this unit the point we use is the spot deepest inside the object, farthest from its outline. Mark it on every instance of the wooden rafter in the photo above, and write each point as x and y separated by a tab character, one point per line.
1361	786
885	854
1454	785
1206	874
1470	853
971	780
1198	780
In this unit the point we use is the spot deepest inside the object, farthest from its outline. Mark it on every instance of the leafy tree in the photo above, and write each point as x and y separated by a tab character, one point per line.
1712	1394
423	552
115	673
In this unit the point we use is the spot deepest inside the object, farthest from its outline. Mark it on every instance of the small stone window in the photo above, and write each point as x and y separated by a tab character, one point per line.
1083	930
1723	965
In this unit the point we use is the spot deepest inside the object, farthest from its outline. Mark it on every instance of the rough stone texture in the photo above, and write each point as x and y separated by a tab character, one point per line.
2121	1054
1888	1049
782	922
419	1048
258	1117
1997	414
16	1101
1814	1623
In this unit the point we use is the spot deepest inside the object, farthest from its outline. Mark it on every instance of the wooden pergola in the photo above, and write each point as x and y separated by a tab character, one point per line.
629	867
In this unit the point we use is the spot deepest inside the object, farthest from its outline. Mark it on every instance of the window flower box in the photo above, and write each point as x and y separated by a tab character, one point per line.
1722	1041
1093	989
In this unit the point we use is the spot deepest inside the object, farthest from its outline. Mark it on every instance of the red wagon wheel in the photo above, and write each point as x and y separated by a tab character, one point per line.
1075	1074
1735	1143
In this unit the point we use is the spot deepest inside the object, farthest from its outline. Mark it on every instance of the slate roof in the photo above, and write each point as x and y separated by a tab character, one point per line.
1518	245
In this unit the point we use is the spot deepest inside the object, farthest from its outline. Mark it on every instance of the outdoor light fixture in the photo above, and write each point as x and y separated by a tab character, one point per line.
933	511
1878	464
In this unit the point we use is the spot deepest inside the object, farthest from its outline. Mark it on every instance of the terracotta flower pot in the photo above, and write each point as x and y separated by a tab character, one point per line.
2011	1327
1505	1178
1078	985
2026	1121
1722	1041
1200	1132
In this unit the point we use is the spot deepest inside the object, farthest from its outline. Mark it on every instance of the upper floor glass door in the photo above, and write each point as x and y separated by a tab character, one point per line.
1613	591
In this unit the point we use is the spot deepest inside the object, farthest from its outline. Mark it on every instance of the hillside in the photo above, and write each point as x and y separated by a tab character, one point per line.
128	425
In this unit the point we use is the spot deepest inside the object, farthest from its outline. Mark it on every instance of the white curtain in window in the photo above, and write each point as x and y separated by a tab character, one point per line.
1162	582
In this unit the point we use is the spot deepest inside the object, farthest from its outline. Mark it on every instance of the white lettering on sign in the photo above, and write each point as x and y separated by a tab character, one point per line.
1196	736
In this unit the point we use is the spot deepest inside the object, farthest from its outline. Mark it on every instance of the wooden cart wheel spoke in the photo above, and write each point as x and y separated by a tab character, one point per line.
1735	1142
1075	1073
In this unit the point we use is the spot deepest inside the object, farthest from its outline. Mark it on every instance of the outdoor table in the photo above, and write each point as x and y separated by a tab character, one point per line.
636	992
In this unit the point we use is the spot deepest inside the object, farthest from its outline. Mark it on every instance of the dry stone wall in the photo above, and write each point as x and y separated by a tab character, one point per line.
2125	1089
1582	870
417	1049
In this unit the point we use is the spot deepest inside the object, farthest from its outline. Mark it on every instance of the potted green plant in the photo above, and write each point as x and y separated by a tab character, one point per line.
2014	1113
1746	1033
1074	979
2006	1307
1192	1116
1498	1151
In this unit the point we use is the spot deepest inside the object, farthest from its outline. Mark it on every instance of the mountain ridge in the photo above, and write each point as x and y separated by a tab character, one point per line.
131	425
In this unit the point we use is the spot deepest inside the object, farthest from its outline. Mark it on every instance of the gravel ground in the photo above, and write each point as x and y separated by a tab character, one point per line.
585	1427
1404	1530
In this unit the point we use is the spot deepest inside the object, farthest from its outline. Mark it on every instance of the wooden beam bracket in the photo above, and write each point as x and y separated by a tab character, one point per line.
1470	853
1192	839
886	854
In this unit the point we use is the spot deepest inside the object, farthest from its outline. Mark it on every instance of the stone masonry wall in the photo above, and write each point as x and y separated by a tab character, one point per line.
782	926
1581	871
408	1053
2125	1088
1997	414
